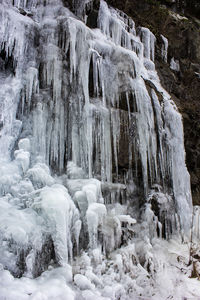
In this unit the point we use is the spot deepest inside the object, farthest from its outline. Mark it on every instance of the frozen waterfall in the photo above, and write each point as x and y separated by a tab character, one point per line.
93	181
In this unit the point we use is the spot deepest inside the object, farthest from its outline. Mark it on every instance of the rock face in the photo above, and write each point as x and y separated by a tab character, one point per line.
183	34
93	181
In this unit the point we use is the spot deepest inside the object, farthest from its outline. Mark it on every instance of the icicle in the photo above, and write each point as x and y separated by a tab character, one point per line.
164	49
95	217
196	224
59	209
148	39
32	84
115	116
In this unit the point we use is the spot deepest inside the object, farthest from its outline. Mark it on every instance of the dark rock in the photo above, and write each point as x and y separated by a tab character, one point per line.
22	11
42	259
82	9
92	14
25	12
7	63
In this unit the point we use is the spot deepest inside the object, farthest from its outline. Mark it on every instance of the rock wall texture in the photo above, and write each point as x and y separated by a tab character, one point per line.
179	22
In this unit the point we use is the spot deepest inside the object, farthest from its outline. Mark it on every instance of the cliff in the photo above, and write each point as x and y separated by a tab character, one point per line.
179	22
95	197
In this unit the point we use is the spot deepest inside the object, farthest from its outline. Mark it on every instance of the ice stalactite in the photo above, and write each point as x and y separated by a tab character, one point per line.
164	49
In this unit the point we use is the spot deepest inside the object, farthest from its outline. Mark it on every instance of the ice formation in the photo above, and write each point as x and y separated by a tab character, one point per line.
164	49
94	192
174	65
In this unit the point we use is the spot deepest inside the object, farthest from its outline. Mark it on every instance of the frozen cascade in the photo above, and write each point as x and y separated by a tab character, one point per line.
94	191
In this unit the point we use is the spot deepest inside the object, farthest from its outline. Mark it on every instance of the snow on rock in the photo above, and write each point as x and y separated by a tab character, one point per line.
74	172
126	219
21	229
10	176
23	159
83	282
89	189
24	187
174	65
51	285
24	144
40	176
89	295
